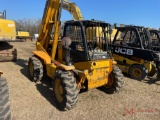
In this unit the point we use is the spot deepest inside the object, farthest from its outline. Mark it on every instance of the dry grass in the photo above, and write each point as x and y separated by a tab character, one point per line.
31	101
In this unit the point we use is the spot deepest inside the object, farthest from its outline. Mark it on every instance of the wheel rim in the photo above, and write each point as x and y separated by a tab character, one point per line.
58	90
31	69
137	72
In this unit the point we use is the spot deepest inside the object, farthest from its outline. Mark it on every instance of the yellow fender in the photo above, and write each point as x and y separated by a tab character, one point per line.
43	55
47	59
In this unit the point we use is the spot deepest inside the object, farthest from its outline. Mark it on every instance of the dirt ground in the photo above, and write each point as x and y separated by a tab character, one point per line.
34	101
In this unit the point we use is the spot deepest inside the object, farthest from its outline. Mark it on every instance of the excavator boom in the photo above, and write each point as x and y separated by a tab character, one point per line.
50	21
73	9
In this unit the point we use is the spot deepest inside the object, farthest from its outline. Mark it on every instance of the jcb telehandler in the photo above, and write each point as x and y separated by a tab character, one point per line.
76	62
133	52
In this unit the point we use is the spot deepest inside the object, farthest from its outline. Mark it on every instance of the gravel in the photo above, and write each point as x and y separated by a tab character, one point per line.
34	101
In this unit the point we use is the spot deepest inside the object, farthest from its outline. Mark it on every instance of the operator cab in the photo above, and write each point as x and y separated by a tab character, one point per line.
132	42
131	36
89	40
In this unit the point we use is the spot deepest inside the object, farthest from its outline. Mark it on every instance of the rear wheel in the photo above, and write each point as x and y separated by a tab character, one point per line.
35	68
115	81
138	72
5	111
65	90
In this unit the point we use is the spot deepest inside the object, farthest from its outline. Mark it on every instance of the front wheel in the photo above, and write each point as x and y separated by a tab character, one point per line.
65	90
35	68
138	72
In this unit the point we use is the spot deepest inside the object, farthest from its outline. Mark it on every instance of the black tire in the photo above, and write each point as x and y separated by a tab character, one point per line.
138	72
35	69
154	72
115	81
5	110
65	90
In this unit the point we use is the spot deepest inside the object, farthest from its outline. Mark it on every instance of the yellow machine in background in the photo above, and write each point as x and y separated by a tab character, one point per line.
23	35
7	30
7	33
73	9
74	63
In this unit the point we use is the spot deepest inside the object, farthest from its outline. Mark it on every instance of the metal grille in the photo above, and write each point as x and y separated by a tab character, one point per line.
127	38
75	33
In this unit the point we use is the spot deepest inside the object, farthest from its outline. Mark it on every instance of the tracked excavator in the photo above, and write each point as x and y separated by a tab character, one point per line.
7	33
77	61
7	28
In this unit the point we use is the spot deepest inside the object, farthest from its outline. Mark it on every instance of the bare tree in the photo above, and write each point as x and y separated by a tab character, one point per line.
30	25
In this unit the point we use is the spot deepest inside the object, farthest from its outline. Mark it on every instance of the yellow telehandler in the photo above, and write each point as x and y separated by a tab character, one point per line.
78	61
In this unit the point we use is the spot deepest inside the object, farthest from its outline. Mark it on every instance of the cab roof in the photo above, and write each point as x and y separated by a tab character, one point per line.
87	23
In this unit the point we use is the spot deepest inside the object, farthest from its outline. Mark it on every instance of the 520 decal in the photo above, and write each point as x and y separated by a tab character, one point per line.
124	51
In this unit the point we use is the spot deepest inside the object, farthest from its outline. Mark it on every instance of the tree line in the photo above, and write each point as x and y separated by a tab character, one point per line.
30	25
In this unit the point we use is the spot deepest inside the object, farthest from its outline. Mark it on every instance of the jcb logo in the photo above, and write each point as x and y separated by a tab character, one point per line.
124	51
